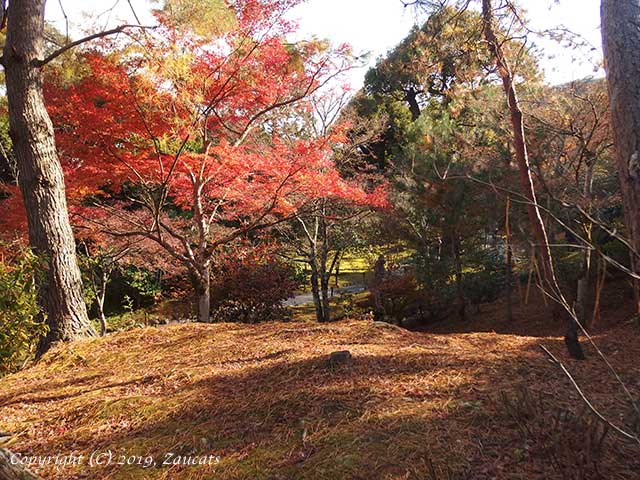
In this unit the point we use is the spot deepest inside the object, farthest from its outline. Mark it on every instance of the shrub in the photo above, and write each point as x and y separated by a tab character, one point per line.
251	289
485	279
144	283
20	325
131	288
398	292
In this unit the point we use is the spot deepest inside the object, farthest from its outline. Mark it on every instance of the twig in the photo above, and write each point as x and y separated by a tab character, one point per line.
593	409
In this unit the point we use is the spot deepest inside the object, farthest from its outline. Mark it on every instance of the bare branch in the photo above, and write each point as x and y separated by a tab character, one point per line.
69	46
586	401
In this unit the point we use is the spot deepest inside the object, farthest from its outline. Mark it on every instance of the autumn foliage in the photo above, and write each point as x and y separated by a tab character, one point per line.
190	141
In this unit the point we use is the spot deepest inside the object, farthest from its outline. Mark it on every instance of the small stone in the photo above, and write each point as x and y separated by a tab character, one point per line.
342	357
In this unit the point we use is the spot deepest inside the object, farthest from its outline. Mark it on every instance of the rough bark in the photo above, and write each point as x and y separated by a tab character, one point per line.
543	251
13	470
621	44
203	292
40	176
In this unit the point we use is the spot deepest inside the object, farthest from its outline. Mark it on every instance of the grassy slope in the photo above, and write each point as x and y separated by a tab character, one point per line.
247	394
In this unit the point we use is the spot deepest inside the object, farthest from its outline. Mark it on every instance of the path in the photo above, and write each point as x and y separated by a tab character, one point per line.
304	298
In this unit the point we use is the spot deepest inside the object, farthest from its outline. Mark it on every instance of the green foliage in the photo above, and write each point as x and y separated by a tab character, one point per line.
20	326
129	288
8	167
484	279
144	285
87	264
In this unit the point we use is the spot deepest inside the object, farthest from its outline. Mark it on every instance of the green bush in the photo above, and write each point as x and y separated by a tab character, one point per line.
131	288
485	278
20	326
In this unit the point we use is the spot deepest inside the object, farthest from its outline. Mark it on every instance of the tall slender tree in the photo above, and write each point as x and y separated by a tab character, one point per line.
621	44
542	249
40	175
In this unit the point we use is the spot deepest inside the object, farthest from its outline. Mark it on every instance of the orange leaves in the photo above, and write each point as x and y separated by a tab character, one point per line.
13	220
199	125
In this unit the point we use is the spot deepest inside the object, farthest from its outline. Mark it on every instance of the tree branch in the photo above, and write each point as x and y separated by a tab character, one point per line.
69	46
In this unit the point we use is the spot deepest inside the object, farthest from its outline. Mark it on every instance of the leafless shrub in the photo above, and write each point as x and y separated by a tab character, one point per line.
573	443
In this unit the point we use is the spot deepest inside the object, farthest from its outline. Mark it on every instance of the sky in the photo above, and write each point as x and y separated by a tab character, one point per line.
376	26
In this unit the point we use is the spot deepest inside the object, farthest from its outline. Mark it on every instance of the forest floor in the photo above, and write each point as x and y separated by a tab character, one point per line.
263	402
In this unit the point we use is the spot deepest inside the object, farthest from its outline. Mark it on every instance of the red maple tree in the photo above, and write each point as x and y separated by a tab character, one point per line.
191	142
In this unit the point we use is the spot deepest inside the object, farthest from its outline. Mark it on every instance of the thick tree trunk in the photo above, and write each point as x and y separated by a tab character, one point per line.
621	44
203	292
40	176
543	252
11	469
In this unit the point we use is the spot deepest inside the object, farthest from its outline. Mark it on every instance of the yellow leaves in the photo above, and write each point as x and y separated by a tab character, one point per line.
298	52
207	18
70	68
83	191
426	141
296	61
178	66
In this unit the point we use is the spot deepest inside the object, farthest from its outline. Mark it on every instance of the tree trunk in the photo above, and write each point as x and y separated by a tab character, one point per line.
325	274
10	469
508	261
203	292
100	301
40	177
600	279
584	278
315	289
582	290
326	306
543	252
509	283
411	96
621	45
457	264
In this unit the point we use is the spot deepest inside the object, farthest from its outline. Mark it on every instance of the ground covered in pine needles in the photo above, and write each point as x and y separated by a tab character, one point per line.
263	402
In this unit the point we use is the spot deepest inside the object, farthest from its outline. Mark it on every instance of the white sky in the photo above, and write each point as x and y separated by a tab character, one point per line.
376	26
